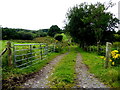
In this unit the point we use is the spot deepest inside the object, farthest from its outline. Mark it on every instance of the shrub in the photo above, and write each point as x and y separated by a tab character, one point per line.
58	37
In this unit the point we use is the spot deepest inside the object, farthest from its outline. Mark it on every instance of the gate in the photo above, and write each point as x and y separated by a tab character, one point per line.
28	54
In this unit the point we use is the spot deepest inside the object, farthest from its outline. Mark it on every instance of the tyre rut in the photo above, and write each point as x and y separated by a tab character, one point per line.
84	78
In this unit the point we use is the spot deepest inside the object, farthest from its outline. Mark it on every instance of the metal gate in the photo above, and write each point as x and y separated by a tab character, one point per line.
28	54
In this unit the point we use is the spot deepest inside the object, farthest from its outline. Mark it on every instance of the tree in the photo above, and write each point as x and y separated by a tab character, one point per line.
54	29
87	23
11	33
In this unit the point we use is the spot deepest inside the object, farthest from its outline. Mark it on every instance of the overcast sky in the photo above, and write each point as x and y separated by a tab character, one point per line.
39	14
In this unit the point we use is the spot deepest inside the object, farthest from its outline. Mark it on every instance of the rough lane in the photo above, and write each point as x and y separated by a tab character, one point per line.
84	78
41	79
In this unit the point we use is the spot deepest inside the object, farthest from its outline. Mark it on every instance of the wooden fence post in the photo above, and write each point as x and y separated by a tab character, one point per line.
31	52
54	47
9	53
108	54
41	51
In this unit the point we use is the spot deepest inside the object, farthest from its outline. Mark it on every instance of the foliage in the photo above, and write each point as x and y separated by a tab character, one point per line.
41	33
65	37
99	50
115	58
118	32
61	47
109	76
88	31
117	37
9	33
116	45
22	34
54	29
58	37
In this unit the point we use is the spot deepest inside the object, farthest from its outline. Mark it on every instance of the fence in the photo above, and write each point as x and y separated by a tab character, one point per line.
25	55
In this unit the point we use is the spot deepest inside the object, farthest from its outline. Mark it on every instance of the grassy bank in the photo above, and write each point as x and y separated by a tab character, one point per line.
64	73
110	76
12	74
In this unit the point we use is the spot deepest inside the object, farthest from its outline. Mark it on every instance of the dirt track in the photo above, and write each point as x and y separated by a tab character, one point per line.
84	78
40	79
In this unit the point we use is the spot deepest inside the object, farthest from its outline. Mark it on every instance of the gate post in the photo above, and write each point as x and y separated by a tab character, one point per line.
108	54
9	53
41	51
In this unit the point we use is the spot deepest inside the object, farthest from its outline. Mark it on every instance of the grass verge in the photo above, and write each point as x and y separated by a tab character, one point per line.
12	77
64	73
110	76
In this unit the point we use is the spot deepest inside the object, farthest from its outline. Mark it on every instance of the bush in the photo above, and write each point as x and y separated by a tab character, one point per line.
116	45
58	37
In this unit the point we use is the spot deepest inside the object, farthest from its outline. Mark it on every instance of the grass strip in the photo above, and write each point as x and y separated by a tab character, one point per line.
64	73
110	76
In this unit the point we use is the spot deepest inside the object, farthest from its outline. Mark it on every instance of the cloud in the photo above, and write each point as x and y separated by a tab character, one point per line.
36	14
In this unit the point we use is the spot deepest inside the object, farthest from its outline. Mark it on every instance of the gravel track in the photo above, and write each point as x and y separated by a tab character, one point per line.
40	80
84	78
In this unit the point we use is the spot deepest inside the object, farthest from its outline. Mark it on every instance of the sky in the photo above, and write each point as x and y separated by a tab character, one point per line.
40	14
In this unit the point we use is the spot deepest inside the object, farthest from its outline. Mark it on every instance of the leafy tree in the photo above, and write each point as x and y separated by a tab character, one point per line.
41	33
10	33
87	23
54	29
25	35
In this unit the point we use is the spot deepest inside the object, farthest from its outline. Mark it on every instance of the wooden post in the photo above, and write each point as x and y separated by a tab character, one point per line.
30	53
108	54
41	51
54	47
90	48
9	53
46	48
